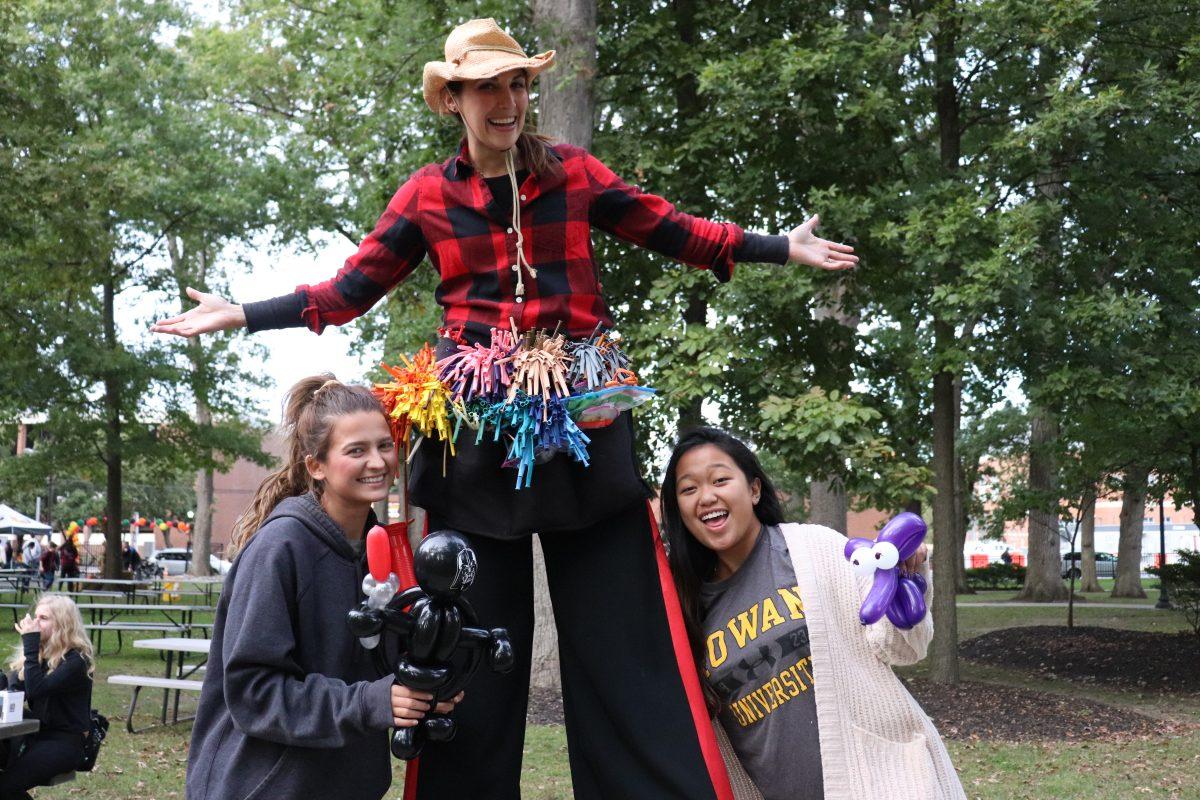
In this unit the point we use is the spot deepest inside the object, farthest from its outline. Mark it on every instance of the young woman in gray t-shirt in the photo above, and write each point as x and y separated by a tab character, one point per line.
744	613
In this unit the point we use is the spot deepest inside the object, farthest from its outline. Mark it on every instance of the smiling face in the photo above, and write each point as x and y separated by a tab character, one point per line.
360	461
493	110
716	504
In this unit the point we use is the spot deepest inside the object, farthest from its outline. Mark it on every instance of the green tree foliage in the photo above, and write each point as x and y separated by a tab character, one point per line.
111	153
1183	584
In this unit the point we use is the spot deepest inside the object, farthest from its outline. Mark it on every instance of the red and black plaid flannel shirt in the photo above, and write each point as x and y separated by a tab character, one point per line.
447	211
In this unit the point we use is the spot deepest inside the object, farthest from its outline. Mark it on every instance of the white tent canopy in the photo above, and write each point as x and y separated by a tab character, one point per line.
14	522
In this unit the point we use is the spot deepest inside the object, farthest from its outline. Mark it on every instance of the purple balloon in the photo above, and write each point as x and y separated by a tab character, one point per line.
879	598
906	531
854	544
900	597
908	607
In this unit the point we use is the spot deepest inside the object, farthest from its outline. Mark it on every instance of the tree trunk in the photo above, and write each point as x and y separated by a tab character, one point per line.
960	499
827	494
943	650
112	437
381	511
565	114
1043	571
544	672
690	196
1087	545
1129	547
202	524
566	105
827	504
201	535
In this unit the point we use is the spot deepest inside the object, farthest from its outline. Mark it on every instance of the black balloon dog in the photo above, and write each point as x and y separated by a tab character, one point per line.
428	624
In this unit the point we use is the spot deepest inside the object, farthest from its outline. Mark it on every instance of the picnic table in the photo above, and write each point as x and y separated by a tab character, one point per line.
11	730
106	617
175	651
204	584
127	586
175	678
17	580
14	730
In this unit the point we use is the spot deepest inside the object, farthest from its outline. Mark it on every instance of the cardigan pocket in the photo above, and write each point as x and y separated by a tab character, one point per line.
895	770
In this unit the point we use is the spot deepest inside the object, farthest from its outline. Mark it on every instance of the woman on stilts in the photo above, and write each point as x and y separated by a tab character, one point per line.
507	223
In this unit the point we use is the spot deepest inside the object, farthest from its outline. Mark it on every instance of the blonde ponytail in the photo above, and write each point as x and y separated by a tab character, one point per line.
309	410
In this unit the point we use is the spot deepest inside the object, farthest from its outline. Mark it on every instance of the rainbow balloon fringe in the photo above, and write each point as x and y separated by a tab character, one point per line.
416	399
533	389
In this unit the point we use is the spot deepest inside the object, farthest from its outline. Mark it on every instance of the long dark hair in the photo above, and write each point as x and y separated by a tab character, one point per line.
691	562
311	407
533	147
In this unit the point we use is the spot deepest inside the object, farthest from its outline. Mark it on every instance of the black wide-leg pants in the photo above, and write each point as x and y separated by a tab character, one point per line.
635	725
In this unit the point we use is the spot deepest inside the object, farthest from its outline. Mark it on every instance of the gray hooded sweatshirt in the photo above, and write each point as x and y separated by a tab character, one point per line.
292	706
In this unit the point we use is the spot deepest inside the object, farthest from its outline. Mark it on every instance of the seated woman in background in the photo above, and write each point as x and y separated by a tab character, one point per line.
53	666
805	693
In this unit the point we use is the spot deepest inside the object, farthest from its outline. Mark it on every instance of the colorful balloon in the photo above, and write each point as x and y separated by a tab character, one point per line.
900	597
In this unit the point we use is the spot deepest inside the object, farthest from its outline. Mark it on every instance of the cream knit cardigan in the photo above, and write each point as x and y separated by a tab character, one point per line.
876	742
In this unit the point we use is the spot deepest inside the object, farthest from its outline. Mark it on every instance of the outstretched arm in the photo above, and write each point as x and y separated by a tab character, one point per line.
650	221
212	313
386	256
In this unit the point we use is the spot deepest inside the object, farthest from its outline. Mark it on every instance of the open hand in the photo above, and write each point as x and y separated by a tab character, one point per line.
804	247
212	314
27	625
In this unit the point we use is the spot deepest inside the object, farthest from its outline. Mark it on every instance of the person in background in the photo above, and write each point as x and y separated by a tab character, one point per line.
53	665
8	554
49	565
31	553
69	560
1006	556
130	557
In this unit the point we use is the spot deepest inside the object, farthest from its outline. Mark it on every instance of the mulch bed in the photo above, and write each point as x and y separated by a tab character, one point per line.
1160	663
1130	660
545	707
987	711
981	711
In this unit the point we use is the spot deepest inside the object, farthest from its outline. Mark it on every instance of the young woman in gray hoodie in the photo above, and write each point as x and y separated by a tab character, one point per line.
292	706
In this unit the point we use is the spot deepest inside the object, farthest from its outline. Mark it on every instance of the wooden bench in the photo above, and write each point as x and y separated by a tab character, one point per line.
85	593
15	607
139	682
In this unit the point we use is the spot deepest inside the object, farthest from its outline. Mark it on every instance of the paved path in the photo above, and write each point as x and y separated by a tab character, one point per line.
1085	604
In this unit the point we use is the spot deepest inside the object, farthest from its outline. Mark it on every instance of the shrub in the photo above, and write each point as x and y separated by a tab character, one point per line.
996	576
1183	585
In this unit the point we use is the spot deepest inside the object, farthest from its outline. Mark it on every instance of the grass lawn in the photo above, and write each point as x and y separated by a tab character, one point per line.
152	764
1159	768
1149	586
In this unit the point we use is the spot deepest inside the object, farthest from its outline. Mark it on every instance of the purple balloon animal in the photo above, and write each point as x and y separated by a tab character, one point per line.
901	597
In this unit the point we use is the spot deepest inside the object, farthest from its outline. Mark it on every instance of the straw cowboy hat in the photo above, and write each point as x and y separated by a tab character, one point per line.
474	50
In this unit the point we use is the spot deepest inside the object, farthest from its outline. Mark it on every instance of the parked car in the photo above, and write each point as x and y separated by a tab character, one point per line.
178	560
1106	565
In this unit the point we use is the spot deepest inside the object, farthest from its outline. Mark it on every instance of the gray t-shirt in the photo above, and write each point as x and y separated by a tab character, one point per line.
759	661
